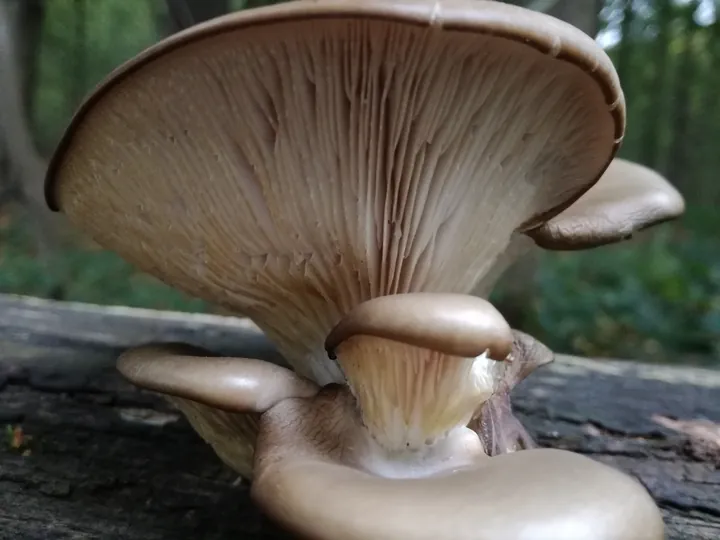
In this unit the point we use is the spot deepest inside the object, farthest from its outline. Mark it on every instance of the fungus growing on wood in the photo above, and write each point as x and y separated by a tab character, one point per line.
628	198
344	173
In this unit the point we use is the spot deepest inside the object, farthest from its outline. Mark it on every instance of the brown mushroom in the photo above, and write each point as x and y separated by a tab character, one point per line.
221	397
404	355
241	385
335	487
295	161
310	442
291	162
628	198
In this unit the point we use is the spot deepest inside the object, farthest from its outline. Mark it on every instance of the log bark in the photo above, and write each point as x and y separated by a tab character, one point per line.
92	457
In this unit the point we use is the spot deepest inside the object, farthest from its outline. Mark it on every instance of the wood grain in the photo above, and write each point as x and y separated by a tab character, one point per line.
106	460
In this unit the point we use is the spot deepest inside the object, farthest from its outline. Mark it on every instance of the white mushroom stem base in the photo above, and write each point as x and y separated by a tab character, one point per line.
412	398
314	476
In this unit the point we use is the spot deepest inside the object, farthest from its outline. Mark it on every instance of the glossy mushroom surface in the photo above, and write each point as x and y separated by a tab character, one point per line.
313	476
306	447
296	163
243	385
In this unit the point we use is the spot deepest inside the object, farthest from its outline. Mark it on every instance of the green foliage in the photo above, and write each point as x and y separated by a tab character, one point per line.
654	298
111	32
83	275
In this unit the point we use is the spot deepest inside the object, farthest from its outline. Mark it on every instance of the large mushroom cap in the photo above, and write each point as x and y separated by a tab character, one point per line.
531	495
293	161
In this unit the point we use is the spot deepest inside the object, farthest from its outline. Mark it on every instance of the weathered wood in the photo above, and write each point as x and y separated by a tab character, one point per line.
48	335
109	461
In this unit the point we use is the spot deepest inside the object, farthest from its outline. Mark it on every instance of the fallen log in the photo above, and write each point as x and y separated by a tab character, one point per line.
85	455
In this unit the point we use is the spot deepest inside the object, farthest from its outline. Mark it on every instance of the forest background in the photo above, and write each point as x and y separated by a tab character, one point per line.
654	298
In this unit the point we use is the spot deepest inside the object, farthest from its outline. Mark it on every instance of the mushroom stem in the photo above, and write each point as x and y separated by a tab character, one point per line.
420	364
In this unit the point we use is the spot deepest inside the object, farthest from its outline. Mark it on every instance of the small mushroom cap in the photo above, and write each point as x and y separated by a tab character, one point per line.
628	198
230	384
454	324
292	161
498	428
528	354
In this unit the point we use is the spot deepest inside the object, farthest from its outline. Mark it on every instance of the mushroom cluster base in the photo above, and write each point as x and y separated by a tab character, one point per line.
316	468
314	477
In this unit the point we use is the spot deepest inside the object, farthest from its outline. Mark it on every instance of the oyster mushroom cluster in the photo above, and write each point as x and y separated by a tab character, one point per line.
353	175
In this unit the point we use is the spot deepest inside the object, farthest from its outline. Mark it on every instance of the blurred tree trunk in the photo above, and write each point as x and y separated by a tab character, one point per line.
203	10
22	174
584	14
79	85
624	49
184	13
29	16
684	79
655	86
706	124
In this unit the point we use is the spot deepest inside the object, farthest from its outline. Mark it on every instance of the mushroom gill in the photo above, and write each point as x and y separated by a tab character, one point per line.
295	161
420	365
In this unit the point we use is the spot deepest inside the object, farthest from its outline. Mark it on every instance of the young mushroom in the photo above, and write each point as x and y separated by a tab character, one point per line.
343	172
499	430
222	398
628	198
403	354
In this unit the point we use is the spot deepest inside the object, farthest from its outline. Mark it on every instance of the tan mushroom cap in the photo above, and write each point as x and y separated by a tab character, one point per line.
629	197
311	477
230	384
293	161
221	397
453	324
530	495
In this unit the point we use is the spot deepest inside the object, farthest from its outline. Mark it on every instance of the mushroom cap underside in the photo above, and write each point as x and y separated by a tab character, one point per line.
293	161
